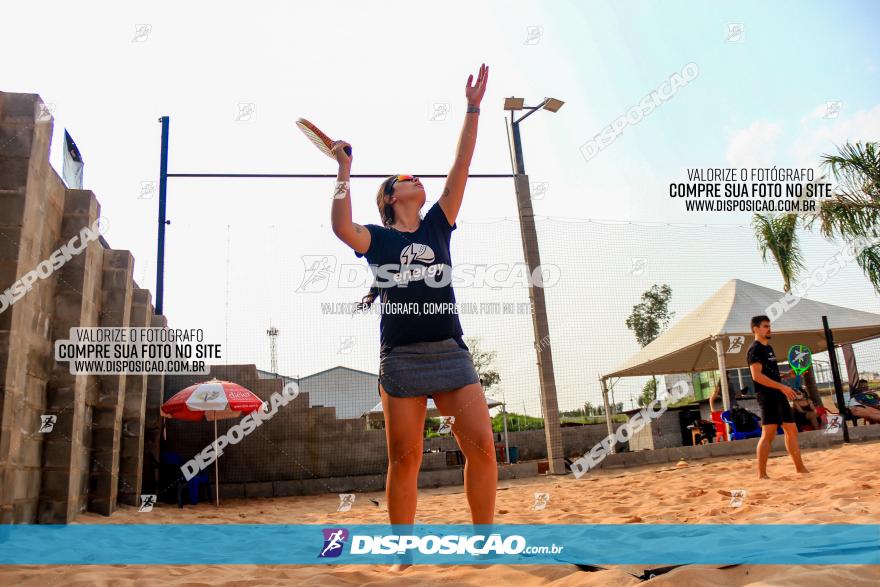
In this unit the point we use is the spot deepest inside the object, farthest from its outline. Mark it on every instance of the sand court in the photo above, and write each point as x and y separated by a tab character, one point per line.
842	488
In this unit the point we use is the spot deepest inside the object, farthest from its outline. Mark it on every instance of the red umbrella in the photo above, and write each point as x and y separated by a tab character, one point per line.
212	400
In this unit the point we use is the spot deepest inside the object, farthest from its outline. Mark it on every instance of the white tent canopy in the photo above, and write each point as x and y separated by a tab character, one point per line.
689	346
717	335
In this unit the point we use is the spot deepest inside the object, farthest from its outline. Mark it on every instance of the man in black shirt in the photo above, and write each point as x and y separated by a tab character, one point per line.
773	398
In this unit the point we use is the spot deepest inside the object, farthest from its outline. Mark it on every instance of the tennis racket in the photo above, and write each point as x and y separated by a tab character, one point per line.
320	140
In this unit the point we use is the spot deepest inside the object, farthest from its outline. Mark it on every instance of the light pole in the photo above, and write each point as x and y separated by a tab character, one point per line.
504	419
552	431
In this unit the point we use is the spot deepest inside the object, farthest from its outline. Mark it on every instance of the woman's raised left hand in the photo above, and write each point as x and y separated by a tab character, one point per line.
474	93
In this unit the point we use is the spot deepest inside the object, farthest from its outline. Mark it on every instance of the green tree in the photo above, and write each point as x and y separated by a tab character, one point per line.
648	319
777	237
651	316
483	363
649	392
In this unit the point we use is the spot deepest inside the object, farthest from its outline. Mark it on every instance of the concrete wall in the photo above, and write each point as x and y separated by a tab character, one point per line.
69	397
305	449
31	204
94	452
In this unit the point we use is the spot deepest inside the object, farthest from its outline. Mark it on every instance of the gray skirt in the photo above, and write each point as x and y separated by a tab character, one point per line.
425	368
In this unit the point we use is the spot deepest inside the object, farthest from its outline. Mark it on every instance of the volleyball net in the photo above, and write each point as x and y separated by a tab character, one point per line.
276	288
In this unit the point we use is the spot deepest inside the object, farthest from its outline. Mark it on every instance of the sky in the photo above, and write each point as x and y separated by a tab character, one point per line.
778	84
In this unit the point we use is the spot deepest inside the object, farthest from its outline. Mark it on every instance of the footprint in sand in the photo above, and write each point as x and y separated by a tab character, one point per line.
633	520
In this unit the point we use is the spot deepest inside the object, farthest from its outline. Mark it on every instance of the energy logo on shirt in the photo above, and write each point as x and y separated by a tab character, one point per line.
416	252
409	272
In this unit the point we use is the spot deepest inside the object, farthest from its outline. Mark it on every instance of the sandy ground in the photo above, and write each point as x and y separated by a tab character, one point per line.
843	487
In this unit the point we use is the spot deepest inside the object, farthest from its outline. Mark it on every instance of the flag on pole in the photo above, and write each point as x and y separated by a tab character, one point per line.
72	169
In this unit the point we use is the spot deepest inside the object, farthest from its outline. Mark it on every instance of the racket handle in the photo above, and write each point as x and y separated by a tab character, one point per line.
347	151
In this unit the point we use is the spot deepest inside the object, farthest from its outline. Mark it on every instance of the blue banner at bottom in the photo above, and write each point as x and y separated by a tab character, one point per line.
587	544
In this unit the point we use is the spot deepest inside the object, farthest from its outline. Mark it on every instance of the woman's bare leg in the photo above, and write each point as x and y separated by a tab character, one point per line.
404	431
473	431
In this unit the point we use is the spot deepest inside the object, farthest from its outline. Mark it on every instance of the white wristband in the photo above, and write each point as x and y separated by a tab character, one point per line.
341	188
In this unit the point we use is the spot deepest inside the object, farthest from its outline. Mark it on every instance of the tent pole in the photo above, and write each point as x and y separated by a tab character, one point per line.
216	469
722	374
722	371
506	443
852	369
608	422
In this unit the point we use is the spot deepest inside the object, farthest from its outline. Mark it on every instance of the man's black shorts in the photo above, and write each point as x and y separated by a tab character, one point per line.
775	408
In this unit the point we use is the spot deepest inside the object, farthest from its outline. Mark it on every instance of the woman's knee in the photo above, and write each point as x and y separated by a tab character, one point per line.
405	457
479	449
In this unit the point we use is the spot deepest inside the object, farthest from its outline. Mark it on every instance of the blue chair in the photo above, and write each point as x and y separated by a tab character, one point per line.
193	485
738	435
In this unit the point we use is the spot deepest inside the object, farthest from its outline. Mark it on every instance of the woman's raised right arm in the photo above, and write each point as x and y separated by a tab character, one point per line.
351	233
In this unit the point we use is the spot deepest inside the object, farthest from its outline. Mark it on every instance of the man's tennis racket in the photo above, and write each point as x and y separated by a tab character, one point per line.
320	140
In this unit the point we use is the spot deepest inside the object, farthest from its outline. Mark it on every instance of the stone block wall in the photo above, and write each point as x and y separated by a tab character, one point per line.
67	442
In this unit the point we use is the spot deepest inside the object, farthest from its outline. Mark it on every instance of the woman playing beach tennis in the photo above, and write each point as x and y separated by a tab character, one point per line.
422	352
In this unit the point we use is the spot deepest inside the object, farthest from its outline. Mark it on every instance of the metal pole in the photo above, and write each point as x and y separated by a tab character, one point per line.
722	371
549	405
608	423
163	185
506	443
519	166
216	470
328	175
722	374
835	373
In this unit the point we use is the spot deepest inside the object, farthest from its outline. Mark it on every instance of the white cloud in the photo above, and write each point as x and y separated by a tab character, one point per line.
754	146
820	132
820	135
822	111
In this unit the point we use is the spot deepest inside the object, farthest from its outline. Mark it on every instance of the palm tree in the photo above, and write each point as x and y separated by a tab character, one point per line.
777	237
854	212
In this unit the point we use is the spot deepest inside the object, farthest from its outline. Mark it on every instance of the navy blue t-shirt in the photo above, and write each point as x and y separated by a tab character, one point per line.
402	263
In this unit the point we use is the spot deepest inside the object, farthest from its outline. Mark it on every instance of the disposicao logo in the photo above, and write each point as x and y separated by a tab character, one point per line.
334	541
